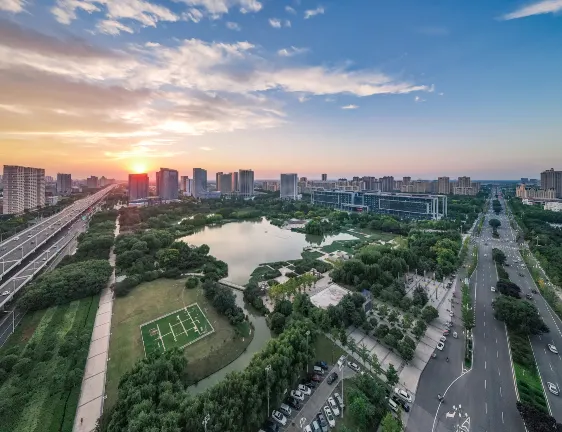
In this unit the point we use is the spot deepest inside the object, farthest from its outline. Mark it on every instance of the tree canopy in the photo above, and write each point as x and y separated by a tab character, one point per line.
519	316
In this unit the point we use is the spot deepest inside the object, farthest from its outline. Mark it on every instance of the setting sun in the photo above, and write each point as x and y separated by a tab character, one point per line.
138	167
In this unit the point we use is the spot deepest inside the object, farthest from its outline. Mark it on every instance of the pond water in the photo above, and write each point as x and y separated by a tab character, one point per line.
245	245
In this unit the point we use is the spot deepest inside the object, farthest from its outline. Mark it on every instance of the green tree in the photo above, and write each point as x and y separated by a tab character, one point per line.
498	256
391	424
429	313
519	316
495	223
191	283
419	329
360	411
375	363
391	375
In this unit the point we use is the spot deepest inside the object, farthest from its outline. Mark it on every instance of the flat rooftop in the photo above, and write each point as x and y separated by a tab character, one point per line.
329	296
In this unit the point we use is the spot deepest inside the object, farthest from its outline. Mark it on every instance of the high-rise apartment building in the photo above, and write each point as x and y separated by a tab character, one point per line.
138	186
235	185
199	182
387	184
224	183
186	186
324	177
92	182
167	184
551	179
246	182
406	181
289	186
218	180
24	188
64	184
443	185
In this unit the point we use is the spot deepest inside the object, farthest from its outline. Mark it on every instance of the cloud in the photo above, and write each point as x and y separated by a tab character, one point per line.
112	27
289	52
287	23
233	26
193	14
313	12
303	99
220	7
433	31
418	99
143	11
349	107
539	8
275	23
441	94
205	148
14	6
290	10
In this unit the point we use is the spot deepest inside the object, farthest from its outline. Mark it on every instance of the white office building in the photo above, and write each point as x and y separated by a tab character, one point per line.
289	186
24	188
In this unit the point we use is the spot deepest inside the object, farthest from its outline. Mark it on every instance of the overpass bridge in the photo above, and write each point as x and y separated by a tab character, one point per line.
15	249
229	284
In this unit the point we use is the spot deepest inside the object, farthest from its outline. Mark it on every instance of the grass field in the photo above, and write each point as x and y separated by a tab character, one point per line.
312	255
177	329
152	300
340	245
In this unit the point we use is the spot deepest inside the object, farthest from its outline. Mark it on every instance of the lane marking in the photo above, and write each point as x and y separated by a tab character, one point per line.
502	418
485	384
486	407
550	367
501	392
484	364
497	354
499	372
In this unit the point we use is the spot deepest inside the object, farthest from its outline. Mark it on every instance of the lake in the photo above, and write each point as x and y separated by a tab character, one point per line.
245	245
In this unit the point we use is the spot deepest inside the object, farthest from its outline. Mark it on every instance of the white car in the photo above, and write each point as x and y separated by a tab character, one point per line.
333	406
485	255
442	339
440	346
307	428
493	289
279	418
403	394
297	395
552	348
339	399
353	366
304	389
553	388
329	416
6	293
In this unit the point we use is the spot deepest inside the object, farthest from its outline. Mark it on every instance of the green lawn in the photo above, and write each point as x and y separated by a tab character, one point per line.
152	300
370	235
326	350
340	245
312	255
177	329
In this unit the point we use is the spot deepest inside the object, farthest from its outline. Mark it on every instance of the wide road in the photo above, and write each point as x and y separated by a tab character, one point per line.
549	364
18	247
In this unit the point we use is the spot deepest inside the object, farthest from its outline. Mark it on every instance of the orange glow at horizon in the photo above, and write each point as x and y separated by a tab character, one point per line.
139	167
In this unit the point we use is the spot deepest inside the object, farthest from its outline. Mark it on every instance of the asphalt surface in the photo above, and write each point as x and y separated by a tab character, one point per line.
549	364
484	398
16	248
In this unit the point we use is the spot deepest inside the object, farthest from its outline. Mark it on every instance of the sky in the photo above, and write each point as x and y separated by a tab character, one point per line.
418	88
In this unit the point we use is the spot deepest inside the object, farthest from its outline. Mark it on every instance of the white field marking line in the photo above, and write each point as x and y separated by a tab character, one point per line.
181	322
511	363
168	314
160	335
444	394
177	324
540	375
172	330
193	323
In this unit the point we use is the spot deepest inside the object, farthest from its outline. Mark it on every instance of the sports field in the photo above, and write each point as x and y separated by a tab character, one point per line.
177	329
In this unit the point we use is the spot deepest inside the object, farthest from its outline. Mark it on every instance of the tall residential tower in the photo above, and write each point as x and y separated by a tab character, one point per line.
289	186
24	188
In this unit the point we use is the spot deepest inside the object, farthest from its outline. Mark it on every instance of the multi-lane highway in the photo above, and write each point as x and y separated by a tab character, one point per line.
15	249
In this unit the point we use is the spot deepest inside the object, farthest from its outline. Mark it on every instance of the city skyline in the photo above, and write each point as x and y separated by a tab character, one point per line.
281	86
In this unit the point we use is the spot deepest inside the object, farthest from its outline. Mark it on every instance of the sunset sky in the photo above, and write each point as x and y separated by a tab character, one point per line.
355	87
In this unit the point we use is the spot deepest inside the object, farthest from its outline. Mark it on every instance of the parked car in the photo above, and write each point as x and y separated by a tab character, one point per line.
270	426
315	426
314	377
279	417
322	364
341	360
403	394
442	339
440	346
446	333
318	370
401	402
329	416
323	422
293	402
333	406
304	389
297	395
339	400
353	366
285	409
311	384
333	376
307	428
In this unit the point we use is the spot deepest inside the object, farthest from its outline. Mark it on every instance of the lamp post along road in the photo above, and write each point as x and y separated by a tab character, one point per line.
205	421
342	367
307	334
267	370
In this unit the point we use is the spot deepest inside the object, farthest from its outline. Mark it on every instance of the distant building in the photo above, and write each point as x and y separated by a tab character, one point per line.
246	182
324	177
225	183
387	184
92	182
52	200
64	184
24	189
218	180
289	186
199	182
443	185
138	186
529	192
167	181
553	206
186	186
235	185
551	179
524	180
103	181
408	206
464	186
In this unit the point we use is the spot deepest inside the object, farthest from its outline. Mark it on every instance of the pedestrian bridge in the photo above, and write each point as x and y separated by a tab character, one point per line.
229	284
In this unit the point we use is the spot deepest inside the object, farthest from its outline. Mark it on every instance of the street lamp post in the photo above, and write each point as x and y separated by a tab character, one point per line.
342	368
267	370
205	421
307	334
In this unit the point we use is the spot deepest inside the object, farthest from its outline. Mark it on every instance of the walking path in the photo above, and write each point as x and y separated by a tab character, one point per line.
92	393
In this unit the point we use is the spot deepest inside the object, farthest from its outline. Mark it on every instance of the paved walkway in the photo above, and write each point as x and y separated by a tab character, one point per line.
92	393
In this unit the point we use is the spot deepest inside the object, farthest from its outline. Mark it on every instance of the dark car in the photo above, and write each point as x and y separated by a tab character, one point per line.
270	426
314	377
534	291
293	403
322	364
310	384
333	376
529	297
401	402
323	422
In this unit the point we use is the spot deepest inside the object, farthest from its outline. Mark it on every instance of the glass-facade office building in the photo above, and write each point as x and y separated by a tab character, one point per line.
402	205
